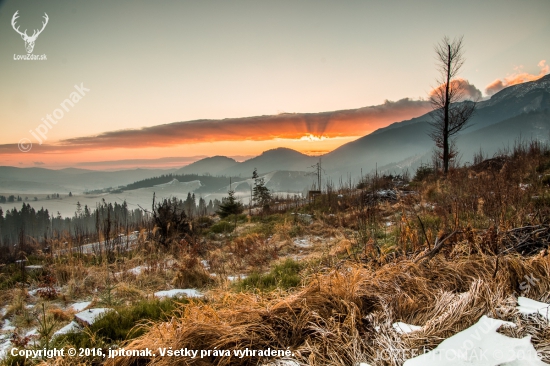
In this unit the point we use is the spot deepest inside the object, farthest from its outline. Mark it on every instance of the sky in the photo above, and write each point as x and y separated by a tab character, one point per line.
168	82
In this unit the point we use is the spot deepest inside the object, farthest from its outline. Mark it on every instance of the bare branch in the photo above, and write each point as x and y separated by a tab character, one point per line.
450	114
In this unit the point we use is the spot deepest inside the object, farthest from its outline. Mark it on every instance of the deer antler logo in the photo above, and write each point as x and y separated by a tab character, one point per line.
29	41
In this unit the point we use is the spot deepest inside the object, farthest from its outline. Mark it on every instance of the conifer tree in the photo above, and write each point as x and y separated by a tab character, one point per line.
260	193
230	205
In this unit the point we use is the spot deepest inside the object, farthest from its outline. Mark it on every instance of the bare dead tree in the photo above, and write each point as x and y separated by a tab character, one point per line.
451	111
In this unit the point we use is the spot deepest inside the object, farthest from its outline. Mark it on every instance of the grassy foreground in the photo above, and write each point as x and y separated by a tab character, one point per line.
325	280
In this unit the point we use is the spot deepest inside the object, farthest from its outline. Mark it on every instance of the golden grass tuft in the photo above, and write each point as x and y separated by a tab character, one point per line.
60	314
344	246
332	320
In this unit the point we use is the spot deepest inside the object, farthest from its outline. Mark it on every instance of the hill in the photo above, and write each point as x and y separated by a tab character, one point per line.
213	166
41	180
519	110
272	160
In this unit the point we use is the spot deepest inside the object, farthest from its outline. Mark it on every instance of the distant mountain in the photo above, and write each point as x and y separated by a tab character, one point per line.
213	166
507	103
40	180
272	160
276	181
176	183
502	136
380	149
519	110
269	161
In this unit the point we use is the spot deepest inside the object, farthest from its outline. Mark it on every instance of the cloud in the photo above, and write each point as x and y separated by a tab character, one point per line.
494	87
309	126
466	90
142	162
38	163
517	77
315	152
471	92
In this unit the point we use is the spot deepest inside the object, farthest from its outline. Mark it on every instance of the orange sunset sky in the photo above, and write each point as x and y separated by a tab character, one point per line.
185	80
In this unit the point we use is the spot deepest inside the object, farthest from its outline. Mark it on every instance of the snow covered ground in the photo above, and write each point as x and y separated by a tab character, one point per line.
528	306
481	345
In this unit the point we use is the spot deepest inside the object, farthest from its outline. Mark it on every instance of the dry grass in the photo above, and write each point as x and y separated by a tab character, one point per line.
332	320
191	274
17	300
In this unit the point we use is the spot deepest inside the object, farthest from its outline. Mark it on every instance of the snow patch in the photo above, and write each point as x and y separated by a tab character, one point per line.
481	345
137	270
282	362
34	268
32	333
189	292
90	316
72	327
237	277
303	243
528	306
7	326
79	306
401	327
4	348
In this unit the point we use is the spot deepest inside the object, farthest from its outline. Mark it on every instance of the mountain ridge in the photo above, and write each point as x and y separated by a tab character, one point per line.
516	110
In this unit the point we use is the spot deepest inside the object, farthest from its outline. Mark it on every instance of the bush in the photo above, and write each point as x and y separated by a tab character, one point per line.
283	276
10	276
191	274
121	325
222	227
296	230
423	172
205	221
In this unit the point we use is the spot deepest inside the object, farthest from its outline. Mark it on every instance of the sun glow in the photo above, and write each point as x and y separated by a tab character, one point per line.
313	138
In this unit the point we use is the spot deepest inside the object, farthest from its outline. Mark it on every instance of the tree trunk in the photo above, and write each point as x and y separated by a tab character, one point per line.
446	116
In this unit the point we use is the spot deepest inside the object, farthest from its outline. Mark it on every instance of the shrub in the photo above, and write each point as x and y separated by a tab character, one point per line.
205	221
423	172
191	274
222	227
283	276
120	325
